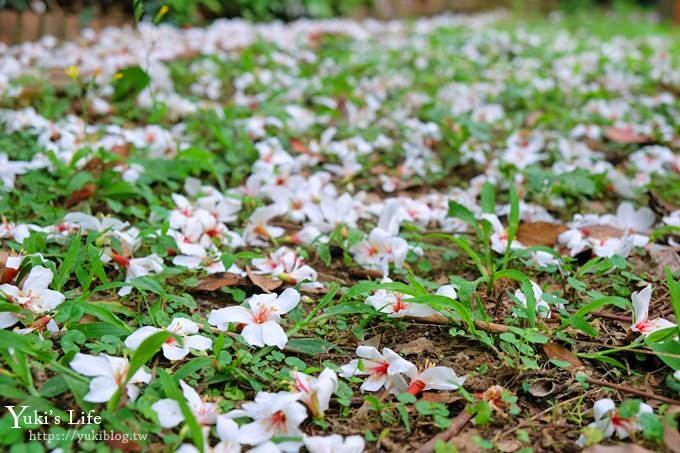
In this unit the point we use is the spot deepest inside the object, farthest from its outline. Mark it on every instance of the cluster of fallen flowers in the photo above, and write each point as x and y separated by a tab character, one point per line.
308	190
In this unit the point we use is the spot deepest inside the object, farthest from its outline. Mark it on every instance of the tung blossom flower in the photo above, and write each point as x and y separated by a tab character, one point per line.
261	319
227	431
258	231
137	267
383	370
641	321
335	443
433	378
34	295
170	414
273	415
109	374
316	392
397	305
172	349
608	420
380	249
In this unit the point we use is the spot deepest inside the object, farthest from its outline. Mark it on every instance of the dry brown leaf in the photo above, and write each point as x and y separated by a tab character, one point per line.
671	436
81	194
508	445
618	448
626	135
665	256
417	346
539	233
217	281
556	351
123	445
266	284
440	397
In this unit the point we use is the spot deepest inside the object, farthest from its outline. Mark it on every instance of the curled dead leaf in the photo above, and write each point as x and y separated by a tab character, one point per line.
539	233
556	351
541	388
217	281
263	282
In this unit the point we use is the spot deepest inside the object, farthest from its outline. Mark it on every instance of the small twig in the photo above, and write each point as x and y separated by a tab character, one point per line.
456	425
631	390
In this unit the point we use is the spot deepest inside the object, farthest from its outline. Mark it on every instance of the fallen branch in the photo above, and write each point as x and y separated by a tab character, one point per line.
456	426
631	390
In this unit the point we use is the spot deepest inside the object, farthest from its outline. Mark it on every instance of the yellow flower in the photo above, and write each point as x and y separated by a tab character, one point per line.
72	72
118	76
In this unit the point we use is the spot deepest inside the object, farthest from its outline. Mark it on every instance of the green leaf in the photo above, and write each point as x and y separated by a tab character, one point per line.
129	82
69	263
309	346
443	303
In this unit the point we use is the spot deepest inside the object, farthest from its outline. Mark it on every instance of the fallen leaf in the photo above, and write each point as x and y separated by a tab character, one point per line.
671	436
81	194
417	346
266	284
440	397
373	341
625	135
119	443
217	281
508	445
618	448
665	256
556	351
539	233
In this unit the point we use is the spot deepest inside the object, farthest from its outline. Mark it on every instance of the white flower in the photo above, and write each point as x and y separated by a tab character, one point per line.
383	370
396	305
543	309
261	319
609	421
170	414
34	295
334	443
641	321
316	392
433	378
228	433
9	170
138	267
274	415
109	373
379	250
499	237
182	327
284	264
258	231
